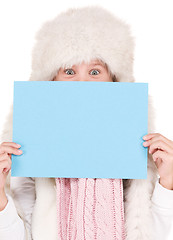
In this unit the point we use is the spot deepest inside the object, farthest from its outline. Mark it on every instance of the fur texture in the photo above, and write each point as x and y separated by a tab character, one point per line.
82	35
72	37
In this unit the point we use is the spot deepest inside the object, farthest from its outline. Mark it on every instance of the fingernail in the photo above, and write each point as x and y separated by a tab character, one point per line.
18	145
19	151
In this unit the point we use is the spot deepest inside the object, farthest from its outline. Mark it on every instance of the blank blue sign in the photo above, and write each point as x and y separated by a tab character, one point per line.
79	129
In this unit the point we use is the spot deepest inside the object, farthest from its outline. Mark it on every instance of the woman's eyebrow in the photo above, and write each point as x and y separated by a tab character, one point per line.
97	64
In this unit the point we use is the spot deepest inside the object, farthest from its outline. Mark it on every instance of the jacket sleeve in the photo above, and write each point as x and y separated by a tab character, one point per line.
23	196
11	225
162	211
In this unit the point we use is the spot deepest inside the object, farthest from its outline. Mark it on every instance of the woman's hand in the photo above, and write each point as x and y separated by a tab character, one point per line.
161	149
6	149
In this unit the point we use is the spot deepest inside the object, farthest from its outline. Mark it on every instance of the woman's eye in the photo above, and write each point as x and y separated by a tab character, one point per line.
69	71
95	72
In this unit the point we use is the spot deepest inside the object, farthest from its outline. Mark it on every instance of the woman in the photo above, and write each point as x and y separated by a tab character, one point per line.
66	50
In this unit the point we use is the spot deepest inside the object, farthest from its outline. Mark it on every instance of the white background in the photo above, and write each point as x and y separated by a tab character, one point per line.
152	26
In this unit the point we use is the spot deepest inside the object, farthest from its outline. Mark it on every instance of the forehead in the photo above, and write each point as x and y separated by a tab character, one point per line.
89	64
96	62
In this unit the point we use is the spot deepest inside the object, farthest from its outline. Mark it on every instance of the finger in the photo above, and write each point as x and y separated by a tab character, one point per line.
158	162
159	145
149	136
158	155
10	150
158	136
12	144
4	164
163	138
6	170
4	156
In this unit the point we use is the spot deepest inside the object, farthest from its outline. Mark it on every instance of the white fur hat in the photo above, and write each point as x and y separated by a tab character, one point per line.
83	34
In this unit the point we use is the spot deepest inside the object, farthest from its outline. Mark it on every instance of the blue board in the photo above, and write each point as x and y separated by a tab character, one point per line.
79	129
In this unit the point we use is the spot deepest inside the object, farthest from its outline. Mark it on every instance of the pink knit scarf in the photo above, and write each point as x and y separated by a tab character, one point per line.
90	208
